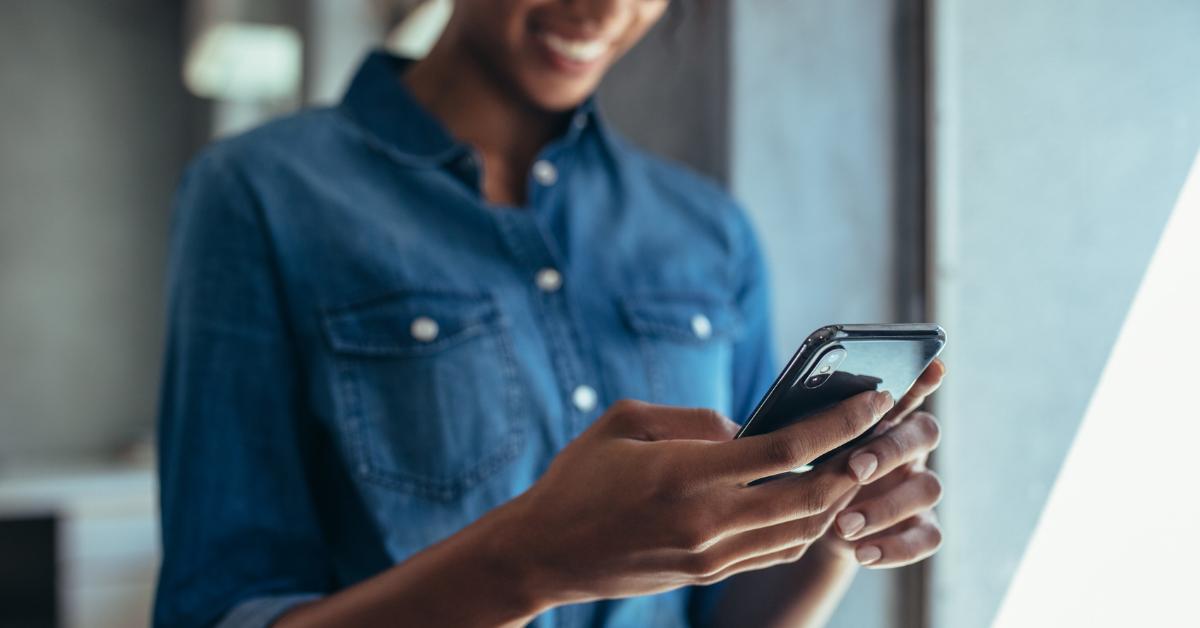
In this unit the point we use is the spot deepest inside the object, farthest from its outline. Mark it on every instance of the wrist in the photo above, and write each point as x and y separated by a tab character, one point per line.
498	546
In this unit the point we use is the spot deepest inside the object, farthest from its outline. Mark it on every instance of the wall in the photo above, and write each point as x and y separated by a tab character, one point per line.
94	130
670	94
1065	130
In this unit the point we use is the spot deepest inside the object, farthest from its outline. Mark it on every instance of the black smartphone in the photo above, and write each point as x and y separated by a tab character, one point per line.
840	361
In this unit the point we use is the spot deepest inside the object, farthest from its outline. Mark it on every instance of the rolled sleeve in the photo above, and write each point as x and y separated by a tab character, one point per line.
239	521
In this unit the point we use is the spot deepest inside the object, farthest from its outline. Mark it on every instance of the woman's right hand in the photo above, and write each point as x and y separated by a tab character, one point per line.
647	499
652	498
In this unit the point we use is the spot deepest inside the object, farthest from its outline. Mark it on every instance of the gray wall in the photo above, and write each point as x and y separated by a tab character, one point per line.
1065	132
811	158
94	128
670	93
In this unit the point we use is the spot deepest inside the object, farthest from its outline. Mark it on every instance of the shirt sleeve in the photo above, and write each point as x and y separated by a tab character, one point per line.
239	527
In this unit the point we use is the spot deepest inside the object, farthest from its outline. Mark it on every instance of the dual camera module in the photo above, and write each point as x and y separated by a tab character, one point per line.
825	366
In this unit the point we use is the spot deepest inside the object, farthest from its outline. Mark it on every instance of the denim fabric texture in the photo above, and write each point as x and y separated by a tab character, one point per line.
364	356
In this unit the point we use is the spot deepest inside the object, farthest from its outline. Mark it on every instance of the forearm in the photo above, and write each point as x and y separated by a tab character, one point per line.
803	594
469	580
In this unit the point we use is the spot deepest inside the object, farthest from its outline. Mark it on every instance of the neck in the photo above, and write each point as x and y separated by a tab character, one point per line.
475	104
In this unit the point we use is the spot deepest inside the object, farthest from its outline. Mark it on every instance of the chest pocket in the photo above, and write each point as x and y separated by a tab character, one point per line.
686	342
428	397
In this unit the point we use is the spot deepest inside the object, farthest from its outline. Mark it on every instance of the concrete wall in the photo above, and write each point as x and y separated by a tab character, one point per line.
93	132
1065	130
670	93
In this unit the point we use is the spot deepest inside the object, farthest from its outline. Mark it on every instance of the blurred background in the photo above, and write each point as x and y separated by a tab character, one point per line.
1006	168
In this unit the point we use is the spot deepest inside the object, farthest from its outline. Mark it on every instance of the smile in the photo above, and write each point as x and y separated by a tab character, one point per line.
579	51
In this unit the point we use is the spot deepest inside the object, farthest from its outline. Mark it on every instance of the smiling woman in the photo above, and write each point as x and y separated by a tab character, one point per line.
414	347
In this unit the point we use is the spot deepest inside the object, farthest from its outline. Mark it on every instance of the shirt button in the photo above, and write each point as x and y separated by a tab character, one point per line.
424	329
548	280
584	398
544	172
580	120
702	327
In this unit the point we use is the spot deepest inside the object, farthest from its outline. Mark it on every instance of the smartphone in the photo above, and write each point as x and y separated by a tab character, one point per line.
840	361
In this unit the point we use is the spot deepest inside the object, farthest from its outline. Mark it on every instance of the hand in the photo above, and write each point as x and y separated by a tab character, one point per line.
651	498
890	522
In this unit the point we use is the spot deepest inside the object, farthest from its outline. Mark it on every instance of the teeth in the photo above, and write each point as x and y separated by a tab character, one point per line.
575	50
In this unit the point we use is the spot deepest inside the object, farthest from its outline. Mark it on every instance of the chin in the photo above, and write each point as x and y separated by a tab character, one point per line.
558	95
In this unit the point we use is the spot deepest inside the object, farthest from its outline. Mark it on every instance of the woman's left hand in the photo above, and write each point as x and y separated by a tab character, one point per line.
891	522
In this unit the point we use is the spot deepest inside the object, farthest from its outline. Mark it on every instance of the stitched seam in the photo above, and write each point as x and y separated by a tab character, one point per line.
449	488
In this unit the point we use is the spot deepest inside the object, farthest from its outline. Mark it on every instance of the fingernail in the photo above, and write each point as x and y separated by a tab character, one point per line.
883	402
868	554
849	523
864	465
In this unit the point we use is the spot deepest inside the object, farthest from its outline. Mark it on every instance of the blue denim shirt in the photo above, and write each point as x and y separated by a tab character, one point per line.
364	356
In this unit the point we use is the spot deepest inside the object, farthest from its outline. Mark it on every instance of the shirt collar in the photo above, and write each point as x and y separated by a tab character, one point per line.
379	102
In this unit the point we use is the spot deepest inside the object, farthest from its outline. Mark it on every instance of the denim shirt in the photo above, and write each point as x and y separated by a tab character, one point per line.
364	356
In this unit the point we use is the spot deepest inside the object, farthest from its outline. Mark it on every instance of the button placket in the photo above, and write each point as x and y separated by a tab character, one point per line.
569	353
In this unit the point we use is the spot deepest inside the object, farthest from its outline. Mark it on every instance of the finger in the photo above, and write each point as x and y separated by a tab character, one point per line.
774	538
754	457
910	441
638	420
913	540
928	382
792	497
918	493
781	557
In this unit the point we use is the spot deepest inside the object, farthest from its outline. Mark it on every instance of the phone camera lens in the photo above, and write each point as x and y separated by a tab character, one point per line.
816	380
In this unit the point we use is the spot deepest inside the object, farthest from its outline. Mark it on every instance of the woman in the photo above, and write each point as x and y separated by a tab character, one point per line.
400	332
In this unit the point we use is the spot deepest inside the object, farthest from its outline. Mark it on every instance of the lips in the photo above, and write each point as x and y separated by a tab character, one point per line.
575	50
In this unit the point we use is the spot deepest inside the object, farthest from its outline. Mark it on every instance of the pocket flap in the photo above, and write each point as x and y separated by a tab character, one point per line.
689	318
399	324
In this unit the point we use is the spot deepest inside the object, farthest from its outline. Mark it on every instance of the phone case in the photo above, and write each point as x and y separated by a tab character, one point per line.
860	358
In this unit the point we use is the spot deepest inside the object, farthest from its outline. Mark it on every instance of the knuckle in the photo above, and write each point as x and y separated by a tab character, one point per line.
817	497
930	429
888	447
795	553
624	412
783	452
694	538
886	510
623	406
702	565
815	527
709	415
712	578
855	417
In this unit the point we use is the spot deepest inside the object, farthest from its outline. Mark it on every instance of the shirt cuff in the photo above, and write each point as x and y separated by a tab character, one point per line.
259	612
